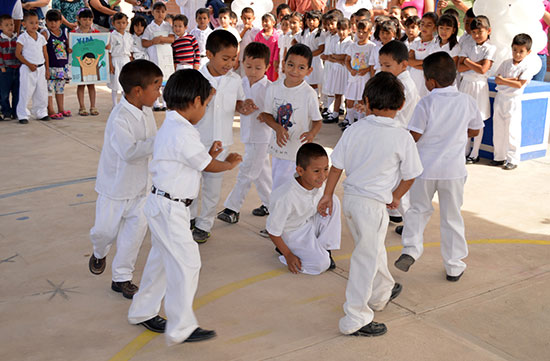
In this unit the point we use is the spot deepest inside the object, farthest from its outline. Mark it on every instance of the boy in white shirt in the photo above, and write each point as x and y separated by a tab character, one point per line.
173	265
201	32
122	175
512	77
247	32
255	136
31	52
302	236
217	123
376	153
225	23
439	125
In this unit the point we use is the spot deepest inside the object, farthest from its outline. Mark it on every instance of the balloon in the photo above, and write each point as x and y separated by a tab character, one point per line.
509	18
260	7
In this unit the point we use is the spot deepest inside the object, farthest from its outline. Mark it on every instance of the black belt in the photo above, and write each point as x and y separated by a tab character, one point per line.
203	56
39	65
158	192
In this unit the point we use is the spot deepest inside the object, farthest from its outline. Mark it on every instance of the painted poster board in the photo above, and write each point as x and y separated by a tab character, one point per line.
89	59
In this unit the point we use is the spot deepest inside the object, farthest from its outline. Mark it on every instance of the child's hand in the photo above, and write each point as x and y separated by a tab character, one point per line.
234	159
363	71
282	136
394	204
353	72
499	79
325	203
196	66
47	74
360	107
442	4
293	263
247	107
215	149
3	70
72	26
156	40
32	67
307	137
324	57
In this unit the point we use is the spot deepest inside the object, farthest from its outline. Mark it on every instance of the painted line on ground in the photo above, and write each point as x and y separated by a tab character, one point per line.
49	186
140	341
12	213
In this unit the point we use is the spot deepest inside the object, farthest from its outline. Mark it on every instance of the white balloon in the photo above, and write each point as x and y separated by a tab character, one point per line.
260	7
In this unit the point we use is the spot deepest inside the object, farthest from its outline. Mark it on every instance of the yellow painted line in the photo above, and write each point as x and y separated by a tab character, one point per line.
140	341
313	299
249	336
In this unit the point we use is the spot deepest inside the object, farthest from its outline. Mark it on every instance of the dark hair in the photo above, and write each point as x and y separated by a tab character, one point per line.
233	16
285	18
88	55
523	40
85	13
480	22
413	19
169	16
331	17
300	50
470	13
307	152
409	7
336	12
224	10
181	17
397	50
397	24
247	10
159	5
388	26
135	21
452	12
53	15
119	16
269	16
364	24
343	24
5	17
384	91
313	14
257	50
28	14
440	67
140	73
183	87
219	40
449	20
363	12
431	15
281	7
201	11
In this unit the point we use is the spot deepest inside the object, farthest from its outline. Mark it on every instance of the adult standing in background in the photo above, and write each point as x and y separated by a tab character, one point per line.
423	6
142	8
302	6
13	8
102	13
69	9
189	8
40	7
459	5
349	7
545	21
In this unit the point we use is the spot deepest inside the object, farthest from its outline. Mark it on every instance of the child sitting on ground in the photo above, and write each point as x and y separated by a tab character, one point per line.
302	236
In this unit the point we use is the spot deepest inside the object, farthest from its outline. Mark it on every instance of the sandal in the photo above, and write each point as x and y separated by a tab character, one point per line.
83	112
66	113
93	111
56	116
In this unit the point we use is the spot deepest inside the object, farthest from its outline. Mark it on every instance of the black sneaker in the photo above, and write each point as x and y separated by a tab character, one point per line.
404	262
497	163
330	119
341	111
200	335
371	330
23	121
192	224
157	109
396	219
470	160
156	324
510	166
454	278
399	230
264	233
200	236
45	119
96	265
261	211
127	288
396	290
229	216
332	263
344	123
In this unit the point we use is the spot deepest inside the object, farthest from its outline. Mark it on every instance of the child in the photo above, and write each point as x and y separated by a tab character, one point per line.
467	37
121	53
137	27
512	77
285	39
255	136
295	24
85	18
440	138
302	236
217	123
311	36
420	48
185	47
357	63
234	19
376	154
282	11
475	60
331	39
395	11
122	175
407	12
201	33
31	51
247	32
9	69
169	18
270	37
225	22
447	30
384	33
291	109
412	30
173	265
157	33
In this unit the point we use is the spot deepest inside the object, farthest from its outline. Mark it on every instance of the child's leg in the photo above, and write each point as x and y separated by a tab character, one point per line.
27	80
80	96
282	171
453	242
501	126
114	97
514	134
91	94
108	217
5	87
264	183
60	102
337	103
40	95
350	111
15	92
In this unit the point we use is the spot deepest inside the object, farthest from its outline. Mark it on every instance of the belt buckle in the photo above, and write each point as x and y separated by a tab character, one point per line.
161	193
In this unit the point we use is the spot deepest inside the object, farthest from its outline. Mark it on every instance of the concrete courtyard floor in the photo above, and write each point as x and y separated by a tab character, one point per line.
53	308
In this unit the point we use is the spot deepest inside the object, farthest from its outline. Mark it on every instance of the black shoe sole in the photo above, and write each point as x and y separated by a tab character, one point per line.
404	262
117	289
454	278
396	219
396	291
202	338
152	329
399	230
94	270
369	334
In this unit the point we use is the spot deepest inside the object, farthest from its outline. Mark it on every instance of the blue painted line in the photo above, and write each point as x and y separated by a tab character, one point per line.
12	213
49	186
77	204
22	218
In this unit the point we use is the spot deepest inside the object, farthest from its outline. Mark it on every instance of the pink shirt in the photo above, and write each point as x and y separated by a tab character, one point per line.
273	44
545	26
418	4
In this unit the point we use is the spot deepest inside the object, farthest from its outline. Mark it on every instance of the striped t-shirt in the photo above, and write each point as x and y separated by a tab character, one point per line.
186	50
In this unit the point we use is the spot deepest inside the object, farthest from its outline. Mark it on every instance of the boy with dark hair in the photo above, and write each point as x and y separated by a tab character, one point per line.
225	22
185	47
247	32
9	68
172	269
376	153
440	125
302	236
122	177
201	32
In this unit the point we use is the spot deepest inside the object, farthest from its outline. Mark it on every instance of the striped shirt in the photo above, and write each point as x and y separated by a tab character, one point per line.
186	50
7	51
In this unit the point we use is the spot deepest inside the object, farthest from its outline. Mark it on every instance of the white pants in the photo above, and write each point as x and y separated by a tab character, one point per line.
476	85
171	271
282	170
255	168
125	222
211	188
311	241
183	66
32	85
453	242
370	282
507	128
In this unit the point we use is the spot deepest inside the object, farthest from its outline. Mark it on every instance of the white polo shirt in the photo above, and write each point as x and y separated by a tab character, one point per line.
127	149
152	31
252	130
411	99
247	38
436	46
121	44
476	53
33	50
376	153
217	122
523	71
443	117
179	158
201	36
291	207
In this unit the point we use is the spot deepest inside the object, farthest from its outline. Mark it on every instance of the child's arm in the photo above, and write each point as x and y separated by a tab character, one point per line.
163	39
366	70
399	192
246	107
325	203
19	56
308	137
319	50
216	166
481	67
461	66
293	263
416	136
280	131
417	64
146	43
46	62
347	63
2	55
473	133
511	82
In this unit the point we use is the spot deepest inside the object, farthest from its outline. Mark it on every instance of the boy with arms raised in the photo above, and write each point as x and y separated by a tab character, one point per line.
376	152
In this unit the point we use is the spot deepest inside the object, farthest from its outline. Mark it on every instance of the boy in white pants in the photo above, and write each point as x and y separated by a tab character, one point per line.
31	52
172	269
439	125
375	152
255	135
512	77
302	236
122	175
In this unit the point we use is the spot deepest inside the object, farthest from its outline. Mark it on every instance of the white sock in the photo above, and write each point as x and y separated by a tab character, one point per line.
335	114
330	102
350	115
114	97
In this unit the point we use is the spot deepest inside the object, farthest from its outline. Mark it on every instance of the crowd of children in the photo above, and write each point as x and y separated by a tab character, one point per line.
412	93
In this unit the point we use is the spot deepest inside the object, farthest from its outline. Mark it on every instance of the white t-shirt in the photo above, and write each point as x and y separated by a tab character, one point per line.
152	31
376	153
179	157
523	71
411	99
252	130
349	10
138	51
33	50
247	38
436	46
121	45
201	36
294	108
360	56
233	31
443	117
477	53
421	48
291	206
